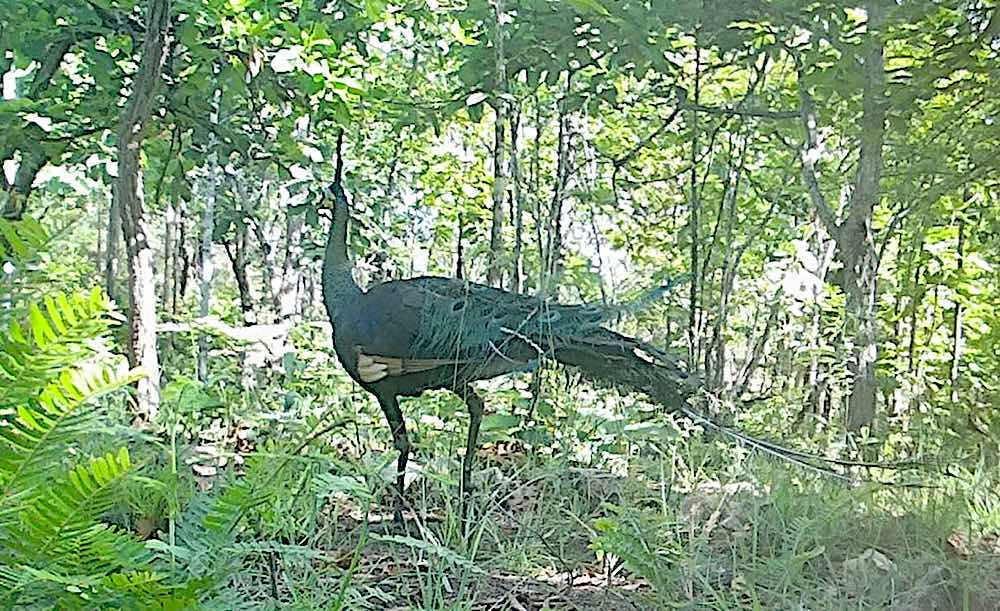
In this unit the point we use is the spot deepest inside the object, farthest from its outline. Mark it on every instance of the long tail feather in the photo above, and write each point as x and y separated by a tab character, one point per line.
612	359
600	313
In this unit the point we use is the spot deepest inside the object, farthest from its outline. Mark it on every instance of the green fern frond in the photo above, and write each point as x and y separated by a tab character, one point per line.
29	587
32	438
229	508
21	240
61	525
59	547
15	579
55	550
38	349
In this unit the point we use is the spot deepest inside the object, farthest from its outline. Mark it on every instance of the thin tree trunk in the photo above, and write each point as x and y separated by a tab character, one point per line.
495	266
536	197
854	237
182	269
858	239
267	234
815	326
169	258
716	374
142	309
553	264
310	292
591	178
236	251
113	241
207	270
35	157
99	253
517	267
291	274
459	248
757	351
956	325
915	303
694	335
494	270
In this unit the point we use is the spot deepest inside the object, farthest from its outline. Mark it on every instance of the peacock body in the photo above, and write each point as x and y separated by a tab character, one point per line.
403	337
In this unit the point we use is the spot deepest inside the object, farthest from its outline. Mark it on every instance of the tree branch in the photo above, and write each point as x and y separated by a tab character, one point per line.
53	59
762	113
629	156
809	157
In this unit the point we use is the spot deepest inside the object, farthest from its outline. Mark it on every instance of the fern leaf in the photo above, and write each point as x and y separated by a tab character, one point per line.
56	342
32	442
60	525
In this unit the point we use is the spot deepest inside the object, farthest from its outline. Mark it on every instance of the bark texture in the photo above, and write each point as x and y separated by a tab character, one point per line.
853	235
129	192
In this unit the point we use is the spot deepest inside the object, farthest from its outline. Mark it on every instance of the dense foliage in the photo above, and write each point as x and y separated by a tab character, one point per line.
824	173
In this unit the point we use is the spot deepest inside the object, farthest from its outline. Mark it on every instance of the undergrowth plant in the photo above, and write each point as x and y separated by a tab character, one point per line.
54	546
61	544
58	546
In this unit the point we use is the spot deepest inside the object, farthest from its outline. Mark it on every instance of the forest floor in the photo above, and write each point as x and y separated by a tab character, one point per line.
556	537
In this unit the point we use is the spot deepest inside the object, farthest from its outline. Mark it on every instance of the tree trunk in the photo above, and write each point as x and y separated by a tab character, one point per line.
182	268
494	270
717	353
129	193
536	208
267	234
858	242
916	302
495	266
291	274
816	326
169	260
34	157
956	324
757	350
236	251
694	334
553	261
459	254
111	248
517	265
207	269
854	237
99	251
591	176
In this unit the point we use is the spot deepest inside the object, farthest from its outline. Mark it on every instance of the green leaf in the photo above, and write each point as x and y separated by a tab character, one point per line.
455	29
590	6
476	113
500	422
40	328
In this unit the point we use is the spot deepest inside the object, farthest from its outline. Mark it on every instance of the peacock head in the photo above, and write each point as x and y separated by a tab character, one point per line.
337	201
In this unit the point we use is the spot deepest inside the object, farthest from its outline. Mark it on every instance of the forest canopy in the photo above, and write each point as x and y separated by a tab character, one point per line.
814	185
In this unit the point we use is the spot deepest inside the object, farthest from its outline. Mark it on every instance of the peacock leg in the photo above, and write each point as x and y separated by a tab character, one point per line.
390	407
475	403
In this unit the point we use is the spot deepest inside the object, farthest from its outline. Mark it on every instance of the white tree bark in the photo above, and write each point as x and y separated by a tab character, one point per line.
207	270
129	193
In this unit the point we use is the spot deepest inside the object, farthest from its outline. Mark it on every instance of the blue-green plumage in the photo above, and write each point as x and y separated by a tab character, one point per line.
403	337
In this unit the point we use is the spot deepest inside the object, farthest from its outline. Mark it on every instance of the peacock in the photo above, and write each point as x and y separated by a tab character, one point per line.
403	337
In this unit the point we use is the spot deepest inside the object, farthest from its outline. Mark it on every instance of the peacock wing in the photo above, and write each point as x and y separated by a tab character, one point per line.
465	319
386	332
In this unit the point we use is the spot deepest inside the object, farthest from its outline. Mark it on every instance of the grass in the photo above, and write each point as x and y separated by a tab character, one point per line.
618	509
550	534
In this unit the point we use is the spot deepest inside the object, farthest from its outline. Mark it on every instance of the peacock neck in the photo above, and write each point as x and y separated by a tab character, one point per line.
339	287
